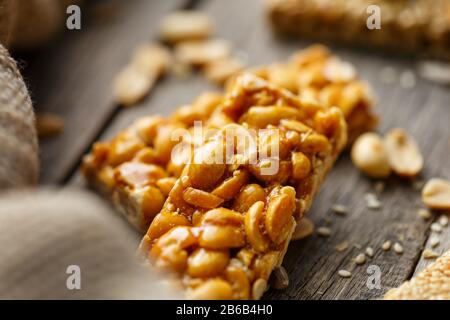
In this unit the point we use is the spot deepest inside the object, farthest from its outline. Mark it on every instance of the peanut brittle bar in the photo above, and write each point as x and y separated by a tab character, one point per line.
406	26
227	224
316	73
134	169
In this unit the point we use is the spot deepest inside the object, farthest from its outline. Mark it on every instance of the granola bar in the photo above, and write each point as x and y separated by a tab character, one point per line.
226	225
316	73
406	26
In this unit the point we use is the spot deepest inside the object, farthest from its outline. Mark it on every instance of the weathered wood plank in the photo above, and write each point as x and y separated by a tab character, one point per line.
423	111
73	77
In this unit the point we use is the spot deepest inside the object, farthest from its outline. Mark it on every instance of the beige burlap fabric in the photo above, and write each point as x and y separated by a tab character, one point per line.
43	233
18	140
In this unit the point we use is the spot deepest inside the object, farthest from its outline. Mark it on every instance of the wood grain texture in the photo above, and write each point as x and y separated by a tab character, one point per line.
73	76
312	263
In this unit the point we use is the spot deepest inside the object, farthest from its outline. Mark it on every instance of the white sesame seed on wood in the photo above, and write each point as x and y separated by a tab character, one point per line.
369	252
436	227
424	214
344	273
324	231
434	241
443	220
360	259
372	201
429	254
386	245
342	246
398	248
339	209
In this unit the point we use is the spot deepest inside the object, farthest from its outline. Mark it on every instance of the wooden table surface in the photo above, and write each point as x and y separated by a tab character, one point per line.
73	78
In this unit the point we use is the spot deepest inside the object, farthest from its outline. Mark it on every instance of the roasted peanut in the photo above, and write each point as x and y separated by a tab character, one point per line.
369	155
231	186
135	174
200	198
436	194
222	237
248	196
261	117
207	263
279	221
303	229
253	220
165	221
403	153
301	165
185	25
223	216
214	289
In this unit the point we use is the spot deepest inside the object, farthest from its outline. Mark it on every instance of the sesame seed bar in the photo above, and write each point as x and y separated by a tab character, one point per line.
413	27
433	283
226	225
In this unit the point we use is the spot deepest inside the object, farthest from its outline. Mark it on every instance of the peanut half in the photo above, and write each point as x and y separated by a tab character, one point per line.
369	155
186	25
403	153
436	194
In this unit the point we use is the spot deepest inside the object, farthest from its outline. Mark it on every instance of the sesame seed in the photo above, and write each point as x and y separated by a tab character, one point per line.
443	220
386	245
369	252
342	246
424	214
398	248
344	273
372	201
360	259
428	254
436	227
434	241
324	231
339	209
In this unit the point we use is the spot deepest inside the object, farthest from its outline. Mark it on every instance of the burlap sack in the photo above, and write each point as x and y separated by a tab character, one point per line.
42	234
18	140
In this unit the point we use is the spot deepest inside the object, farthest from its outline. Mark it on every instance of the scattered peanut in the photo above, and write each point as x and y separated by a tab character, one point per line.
219	71
303	229
369	155
132	85
403	153
201	53
186	25
436	194
429	254
48	124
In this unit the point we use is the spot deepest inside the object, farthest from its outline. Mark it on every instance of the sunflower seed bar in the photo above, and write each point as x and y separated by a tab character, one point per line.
226	225
406	26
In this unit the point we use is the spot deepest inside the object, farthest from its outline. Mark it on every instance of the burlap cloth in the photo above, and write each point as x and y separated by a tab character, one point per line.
18	141
44	232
